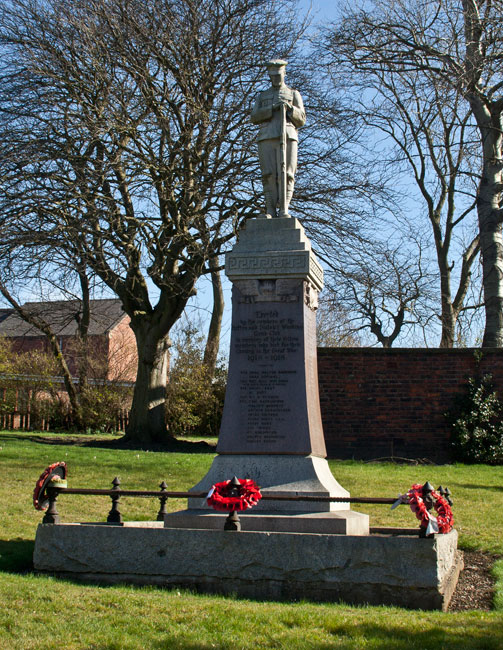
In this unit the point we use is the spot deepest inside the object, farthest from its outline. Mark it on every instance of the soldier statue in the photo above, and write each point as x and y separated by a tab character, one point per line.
280	112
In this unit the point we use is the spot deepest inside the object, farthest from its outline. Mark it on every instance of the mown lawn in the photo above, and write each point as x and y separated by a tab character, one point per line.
40	612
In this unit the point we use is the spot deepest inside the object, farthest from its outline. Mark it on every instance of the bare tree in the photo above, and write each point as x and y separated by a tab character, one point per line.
430	135
383	290
333	325
127	134
455	46
37	271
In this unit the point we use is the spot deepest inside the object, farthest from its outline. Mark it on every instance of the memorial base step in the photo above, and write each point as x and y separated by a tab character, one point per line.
344	522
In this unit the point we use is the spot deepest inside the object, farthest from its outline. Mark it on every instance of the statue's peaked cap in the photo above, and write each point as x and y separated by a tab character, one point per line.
274	64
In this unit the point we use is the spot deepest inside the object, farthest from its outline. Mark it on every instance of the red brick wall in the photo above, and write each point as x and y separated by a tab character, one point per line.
122	353
378	403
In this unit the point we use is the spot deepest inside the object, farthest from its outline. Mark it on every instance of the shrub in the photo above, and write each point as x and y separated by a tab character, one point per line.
194	397
477	427
29	383
101	405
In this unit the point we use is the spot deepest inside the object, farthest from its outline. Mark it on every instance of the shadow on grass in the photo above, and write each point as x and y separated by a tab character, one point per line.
464	630
482	634
73	439
493	488
16	555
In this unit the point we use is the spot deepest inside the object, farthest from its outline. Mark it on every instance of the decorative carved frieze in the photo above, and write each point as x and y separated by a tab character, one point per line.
297	264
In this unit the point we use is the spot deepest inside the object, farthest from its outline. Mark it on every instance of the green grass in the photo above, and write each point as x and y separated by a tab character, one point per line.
42	613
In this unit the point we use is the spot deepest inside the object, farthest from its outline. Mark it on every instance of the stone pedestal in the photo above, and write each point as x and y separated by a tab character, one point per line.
272	404
378	570
271	428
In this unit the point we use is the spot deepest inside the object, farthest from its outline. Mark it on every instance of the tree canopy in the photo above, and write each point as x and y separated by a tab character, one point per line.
124	139
455	48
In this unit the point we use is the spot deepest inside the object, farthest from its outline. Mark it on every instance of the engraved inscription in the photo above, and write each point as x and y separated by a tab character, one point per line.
268	337
266	342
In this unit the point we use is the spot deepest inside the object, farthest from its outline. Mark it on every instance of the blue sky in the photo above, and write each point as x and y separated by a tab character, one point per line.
323	9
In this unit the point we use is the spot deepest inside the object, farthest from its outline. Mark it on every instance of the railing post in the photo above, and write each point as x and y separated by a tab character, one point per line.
114	516
51	516
162	500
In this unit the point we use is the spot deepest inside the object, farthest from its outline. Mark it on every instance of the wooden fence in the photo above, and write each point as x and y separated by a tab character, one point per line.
23	420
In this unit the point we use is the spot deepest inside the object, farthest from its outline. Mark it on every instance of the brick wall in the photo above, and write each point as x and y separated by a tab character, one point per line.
380	403
98	344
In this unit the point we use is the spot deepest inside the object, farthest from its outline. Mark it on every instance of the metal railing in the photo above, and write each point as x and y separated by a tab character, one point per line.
114	517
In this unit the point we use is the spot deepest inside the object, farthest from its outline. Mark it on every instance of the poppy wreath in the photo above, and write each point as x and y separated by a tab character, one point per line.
39	500
444	519
222	497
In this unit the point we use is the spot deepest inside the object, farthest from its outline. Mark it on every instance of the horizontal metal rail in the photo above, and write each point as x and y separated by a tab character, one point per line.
115	516
268	496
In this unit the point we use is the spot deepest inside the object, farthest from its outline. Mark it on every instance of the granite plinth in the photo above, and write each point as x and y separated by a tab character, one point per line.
403	571
344	522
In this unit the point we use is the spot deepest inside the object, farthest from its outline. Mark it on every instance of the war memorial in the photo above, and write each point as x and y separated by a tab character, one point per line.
302	539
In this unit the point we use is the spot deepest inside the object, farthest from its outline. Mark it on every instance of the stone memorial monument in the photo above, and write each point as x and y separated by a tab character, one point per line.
271	429
272	433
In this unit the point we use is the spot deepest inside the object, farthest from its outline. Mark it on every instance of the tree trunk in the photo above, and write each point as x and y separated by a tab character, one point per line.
492	276
489	215
83	321
147	421
213	340
448	329
73	396
448	317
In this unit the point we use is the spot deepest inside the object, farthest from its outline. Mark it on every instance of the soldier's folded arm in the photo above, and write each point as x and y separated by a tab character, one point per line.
297	113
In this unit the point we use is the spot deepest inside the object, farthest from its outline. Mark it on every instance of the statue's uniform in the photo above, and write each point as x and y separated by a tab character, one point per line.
269	141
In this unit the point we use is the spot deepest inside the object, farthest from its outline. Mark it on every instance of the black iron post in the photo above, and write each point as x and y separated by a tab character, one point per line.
232	522
114	516
428	502
51	516
162	500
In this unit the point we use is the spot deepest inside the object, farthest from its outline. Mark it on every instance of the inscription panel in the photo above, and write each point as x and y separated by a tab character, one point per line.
265	408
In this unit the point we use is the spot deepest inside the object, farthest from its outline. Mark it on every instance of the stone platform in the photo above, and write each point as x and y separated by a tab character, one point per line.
344	522
378	570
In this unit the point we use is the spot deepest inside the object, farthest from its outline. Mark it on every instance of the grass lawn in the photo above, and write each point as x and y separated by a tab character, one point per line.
41	612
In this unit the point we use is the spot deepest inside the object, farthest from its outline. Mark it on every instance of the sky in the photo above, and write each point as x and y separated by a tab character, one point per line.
322	9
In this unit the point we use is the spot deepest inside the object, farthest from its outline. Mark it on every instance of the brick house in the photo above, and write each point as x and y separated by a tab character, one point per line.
111	341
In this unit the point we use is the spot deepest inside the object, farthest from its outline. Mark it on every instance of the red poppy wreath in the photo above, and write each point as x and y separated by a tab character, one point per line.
440	524
229	497
54	474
